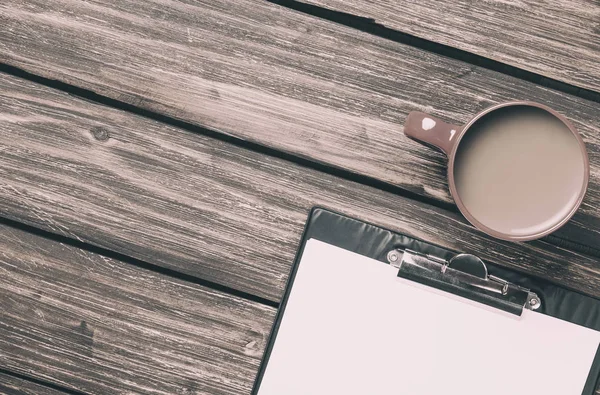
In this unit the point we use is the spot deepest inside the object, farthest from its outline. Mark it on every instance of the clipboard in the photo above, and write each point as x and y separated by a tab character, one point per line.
463	275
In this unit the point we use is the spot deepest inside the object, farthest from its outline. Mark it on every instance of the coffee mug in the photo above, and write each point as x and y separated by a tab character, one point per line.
517	171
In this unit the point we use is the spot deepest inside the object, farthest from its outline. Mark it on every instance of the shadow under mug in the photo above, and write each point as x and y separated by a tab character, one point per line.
517	171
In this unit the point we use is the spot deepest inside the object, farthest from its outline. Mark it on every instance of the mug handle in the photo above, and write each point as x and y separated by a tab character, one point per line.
431	131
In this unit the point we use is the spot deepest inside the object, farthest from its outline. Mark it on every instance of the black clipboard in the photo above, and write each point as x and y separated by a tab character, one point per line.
379	243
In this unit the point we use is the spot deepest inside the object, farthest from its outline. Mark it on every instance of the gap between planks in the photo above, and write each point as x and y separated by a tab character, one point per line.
304	161
554	43
73	242
12	383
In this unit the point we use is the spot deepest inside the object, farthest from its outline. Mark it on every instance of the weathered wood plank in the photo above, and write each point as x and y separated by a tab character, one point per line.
10	385
289	81
202	206
98	325
558	39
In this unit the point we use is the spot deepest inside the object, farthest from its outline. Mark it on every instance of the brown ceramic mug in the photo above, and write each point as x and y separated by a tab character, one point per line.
517	171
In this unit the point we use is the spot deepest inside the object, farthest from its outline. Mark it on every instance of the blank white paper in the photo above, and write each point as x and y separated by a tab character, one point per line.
351	326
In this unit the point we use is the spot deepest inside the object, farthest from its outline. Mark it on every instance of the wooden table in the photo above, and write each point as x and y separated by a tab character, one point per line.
158	160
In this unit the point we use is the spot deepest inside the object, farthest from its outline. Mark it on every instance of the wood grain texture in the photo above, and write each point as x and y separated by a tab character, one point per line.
201	206
98	325
10	385
558	39
286	80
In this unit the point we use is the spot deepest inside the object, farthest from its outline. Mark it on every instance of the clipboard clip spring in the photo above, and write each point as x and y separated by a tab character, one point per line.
464	275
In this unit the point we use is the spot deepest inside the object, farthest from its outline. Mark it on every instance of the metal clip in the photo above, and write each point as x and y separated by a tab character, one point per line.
465	275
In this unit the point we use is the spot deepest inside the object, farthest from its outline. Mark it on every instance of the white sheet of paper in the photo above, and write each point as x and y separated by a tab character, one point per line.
351	326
